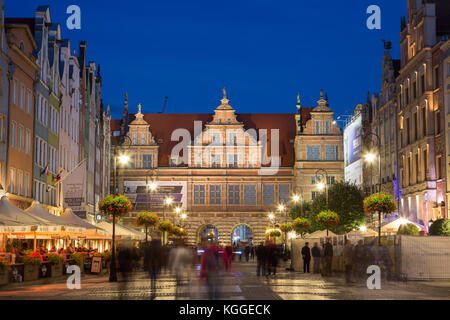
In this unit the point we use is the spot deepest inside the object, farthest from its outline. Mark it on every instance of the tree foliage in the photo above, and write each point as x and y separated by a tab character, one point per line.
440	227
346	200
409	229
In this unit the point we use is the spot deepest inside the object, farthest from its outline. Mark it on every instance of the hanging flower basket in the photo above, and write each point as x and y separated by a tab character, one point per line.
275	233
302	224
285	227
165	226
115	205
147	219
179	232
327	218
379	202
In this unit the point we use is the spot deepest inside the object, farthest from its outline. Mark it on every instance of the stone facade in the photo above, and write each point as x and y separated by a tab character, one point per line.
233	168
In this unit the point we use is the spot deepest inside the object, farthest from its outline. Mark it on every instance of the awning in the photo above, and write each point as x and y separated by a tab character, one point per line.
15	220
122	231
320	234
91	229
395	224
37	210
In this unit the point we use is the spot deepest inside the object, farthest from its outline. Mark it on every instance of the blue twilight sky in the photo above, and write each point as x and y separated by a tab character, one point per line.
263	51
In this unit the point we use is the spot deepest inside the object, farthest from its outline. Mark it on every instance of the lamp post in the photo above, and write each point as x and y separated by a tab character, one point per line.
150	188
323	184
123	159
370	157
168	202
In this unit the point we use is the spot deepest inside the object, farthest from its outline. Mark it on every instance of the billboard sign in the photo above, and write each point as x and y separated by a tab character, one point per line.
143	199
74	190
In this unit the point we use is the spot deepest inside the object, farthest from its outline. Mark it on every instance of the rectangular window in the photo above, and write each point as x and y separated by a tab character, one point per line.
439	170
408	131
199	194
283	193
146	161
422	84
438	122
331	180
216	161
27	141
268	194
313	179
425	163
13	134
424	122
331	153
250	194
21	139
173	162
232	139
232	160
314	194
134	138
214	194
2	127
12	180
417	166
15	93
216	138
22	97
29	101
414	90
317	127
313	153
416	127
407	96
26	184
131	163
19	182
234	194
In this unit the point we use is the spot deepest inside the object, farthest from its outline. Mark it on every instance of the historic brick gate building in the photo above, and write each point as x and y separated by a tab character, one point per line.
224	170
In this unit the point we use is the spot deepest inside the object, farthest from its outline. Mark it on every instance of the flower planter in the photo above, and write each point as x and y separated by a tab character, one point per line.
56	270
4	273
31	272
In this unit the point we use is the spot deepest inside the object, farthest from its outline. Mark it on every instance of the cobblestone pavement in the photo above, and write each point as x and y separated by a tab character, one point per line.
240	284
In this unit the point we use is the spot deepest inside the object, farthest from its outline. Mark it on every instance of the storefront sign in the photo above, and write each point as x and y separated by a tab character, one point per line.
74	190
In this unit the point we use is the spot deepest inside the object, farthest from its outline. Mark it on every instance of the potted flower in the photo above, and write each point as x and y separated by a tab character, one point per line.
146	219
32	264
275	233
77	259
301	225
327	218
165	226
56	264
4	268
382	203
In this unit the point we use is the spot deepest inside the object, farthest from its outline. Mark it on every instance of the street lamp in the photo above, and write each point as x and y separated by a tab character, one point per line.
123	159
370	157
323	184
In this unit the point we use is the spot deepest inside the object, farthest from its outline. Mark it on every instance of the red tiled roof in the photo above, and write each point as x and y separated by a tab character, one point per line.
163	124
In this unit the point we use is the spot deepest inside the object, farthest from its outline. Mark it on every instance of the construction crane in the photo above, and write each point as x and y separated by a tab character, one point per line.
165	103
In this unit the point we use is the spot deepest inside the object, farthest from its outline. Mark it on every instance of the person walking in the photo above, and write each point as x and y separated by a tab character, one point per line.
124	257
247	252
328	255
179	262
315	251
306	254
348	261
260	260
272	259
211	269
153	261
359	253
252	252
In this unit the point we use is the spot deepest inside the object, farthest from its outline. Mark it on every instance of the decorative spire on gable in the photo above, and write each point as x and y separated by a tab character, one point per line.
139	117
298	103
224	114
322	103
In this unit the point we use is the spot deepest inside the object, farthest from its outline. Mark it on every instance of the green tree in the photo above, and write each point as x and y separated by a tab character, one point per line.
301	209
346	200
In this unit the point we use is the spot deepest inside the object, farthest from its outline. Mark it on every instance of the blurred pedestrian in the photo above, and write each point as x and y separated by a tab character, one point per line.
272	259
247	252
348	261
261	260
212	265
306	254
180	260
359	253
252	252
328	255
153	261
229	250
315	252
124	257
